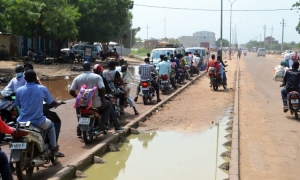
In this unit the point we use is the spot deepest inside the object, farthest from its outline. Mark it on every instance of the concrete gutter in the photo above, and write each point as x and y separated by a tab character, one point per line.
83	161
234	164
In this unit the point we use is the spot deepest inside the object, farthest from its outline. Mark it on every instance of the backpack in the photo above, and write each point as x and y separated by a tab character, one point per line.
85	97
211	71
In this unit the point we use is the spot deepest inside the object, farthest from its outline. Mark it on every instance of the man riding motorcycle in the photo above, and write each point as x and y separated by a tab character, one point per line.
145	71
17	81
291	83
30	99
104	107
164	67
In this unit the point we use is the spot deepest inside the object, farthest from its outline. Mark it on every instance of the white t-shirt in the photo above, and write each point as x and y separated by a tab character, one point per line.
291	63
91	80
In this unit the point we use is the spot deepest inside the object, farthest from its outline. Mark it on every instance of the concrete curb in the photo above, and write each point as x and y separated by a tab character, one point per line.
234	165
86	159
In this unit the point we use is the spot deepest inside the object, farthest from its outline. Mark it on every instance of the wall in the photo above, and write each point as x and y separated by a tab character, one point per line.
125	51
5	41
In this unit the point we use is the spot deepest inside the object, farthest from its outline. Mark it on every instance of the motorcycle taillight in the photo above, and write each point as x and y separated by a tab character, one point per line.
164	77
294	97
20	134
144	84
85	111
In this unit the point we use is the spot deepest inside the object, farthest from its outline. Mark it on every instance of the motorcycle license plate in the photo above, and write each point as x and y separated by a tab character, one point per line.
145	88
164	81
294	101
84	121
18	145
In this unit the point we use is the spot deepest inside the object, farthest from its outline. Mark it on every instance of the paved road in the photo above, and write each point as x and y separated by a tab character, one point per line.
269	138
72	146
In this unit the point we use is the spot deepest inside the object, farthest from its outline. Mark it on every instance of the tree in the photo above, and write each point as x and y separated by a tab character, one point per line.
173	40
225	42
101	20
297	4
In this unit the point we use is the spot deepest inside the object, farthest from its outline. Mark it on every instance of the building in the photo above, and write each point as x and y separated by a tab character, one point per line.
201	38
270	40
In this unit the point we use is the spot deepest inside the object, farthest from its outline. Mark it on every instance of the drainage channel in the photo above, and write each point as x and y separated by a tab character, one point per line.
167	155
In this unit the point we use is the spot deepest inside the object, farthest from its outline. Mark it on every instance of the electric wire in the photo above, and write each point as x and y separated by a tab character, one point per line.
194	9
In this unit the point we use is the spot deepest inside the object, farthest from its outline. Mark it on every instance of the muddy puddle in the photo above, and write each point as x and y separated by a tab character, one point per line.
59	86
166	155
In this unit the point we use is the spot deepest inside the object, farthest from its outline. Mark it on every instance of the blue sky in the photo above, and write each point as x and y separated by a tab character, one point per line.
185	23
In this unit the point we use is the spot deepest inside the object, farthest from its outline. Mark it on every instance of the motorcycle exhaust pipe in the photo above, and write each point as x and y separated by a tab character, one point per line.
37	163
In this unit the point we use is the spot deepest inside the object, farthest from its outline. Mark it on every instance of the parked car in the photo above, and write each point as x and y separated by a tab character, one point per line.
97	50
164	49
261	52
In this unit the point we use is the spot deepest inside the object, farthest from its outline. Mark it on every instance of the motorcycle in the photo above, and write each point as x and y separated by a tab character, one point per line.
8	111
89	120
293	103
181	76
147	91
216	82
30	148
164	83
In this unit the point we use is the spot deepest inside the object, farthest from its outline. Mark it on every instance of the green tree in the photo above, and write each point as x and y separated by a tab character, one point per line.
101	20
297	4
225	42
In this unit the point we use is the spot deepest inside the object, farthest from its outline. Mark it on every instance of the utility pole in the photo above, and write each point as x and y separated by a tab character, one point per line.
271	37
147	31
221	43
231	3
265	27
165	29
130	33
283	23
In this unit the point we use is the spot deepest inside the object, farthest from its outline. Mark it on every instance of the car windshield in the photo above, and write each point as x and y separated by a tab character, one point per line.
193	51
156	53
261	50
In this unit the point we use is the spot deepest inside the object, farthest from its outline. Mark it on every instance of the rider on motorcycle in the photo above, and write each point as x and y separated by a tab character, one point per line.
17	81
33	94
113	76
164	67
213	63
5	170
145	71
221	68
291	83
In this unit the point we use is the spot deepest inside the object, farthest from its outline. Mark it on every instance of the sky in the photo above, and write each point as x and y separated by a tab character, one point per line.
185	22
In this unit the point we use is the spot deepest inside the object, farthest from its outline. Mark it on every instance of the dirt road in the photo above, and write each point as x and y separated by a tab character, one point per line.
269	138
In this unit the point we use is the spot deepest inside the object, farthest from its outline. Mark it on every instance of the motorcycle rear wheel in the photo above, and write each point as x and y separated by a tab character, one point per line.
145	100
21	166
215	87
87	136
296	115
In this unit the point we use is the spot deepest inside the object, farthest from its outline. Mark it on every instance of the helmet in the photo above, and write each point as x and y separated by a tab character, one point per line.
98	68
19	69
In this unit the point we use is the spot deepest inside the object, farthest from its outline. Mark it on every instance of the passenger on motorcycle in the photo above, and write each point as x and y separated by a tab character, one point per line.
164	67
30	99
114	77
104	107
5	170
221	68
17	81
189	62
291	83
145	71
213	63
126	76
287	62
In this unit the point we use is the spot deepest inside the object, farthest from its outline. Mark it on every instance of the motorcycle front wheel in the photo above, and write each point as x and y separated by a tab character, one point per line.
296	115
23	165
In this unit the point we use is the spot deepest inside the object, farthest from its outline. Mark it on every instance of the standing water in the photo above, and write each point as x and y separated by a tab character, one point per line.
165	155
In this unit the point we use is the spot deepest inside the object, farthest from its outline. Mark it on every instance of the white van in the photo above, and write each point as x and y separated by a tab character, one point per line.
165	49
201	51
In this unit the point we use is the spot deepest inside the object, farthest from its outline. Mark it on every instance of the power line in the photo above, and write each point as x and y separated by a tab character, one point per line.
193	9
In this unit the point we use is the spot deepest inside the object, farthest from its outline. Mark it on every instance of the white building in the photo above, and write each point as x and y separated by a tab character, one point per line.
201	38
